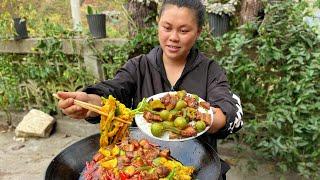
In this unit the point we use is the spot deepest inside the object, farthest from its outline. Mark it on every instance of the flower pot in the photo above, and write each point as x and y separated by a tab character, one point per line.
97	25
20	26
219	24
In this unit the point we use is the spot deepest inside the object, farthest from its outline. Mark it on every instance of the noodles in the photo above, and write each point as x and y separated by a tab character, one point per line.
113	131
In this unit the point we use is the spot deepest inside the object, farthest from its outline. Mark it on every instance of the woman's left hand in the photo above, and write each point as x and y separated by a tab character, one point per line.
219	120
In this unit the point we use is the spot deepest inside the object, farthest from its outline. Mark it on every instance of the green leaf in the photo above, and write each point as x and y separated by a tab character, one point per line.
89	10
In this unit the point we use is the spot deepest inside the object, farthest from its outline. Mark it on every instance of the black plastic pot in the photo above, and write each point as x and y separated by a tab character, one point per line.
20	26
97	25
219	24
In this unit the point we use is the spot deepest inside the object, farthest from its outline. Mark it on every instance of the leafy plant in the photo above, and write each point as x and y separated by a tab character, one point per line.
115	56
317	3
6	28
275	67
30	84
89	10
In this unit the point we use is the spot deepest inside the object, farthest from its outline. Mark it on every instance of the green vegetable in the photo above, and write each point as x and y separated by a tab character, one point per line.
89	10
200	126
156	104
142	106
180	105
168	124
157	161
157	129
171	174
165	114
180	122
122	152
195	97
181	94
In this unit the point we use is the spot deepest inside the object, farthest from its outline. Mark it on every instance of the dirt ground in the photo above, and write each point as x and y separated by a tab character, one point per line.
28	159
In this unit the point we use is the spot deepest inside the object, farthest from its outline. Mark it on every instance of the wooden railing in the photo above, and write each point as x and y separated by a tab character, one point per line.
69	46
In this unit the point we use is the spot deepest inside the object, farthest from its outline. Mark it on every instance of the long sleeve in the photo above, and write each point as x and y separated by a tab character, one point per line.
219	95
122	87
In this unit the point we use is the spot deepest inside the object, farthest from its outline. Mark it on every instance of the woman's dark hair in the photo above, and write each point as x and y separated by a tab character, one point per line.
195	5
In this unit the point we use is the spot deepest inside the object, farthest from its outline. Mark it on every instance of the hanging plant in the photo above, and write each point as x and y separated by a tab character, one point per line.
147	2
221	6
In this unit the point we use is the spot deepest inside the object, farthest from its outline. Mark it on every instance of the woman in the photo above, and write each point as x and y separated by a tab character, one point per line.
174	65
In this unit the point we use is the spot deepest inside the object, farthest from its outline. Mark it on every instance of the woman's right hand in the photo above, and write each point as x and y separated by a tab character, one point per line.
68	107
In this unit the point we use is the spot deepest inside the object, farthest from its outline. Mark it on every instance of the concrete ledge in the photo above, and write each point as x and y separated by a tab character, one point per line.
69	46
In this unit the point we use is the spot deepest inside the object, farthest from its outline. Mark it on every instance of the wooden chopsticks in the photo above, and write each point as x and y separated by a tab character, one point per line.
92	107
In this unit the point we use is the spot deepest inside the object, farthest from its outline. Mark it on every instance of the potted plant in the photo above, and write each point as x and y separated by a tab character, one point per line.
18	15
97	23
20	26
219	12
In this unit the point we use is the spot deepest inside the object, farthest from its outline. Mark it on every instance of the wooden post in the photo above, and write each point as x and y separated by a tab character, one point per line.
249	10
75	11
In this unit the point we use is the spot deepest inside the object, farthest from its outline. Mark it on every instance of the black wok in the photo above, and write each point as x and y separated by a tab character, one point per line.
71	161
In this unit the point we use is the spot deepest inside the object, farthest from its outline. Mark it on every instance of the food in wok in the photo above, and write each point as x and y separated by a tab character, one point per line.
135	160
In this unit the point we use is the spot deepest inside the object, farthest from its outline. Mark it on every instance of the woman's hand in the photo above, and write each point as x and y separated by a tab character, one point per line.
68	107
219	120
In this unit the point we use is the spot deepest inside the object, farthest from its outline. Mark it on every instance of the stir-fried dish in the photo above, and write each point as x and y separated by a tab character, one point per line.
121	158
179	113
136	160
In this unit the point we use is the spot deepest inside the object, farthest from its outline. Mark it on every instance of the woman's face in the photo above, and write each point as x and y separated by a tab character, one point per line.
178	30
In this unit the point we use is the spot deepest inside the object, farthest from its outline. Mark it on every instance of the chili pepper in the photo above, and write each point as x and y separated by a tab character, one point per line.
123	176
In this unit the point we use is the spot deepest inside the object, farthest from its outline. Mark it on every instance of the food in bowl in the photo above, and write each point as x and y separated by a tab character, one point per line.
181	114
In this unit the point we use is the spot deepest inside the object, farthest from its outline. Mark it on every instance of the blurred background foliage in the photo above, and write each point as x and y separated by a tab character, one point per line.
273	64
55	15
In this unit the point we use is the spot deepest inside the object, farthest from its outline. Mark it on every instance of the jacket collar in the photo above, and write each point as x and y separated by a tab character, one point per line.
155	58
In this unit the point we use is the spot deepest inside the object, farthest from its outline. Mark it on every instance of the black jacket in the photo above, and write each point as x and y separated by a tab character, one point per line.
144	76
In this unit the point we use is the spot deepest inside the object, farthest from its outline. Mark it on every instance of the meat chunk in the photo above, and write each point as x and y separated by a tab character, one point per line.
191	102
165	153
151	117
207	119
162	171
149	176
205	105
188	132
204	117
169	101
